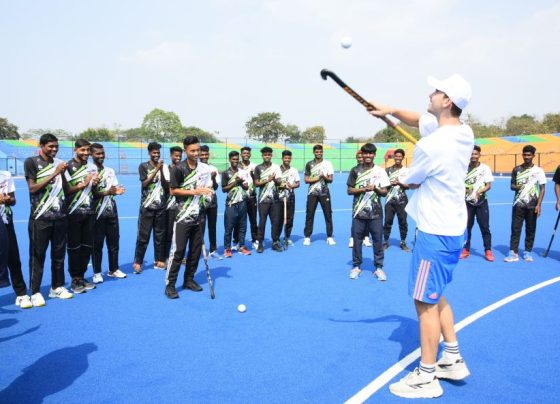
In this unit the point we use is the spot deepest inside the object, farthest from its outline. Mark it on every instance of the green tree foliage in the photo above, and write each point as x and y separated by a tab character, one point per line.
292	134
162	126
266	127
390	135
8	130
201	134
522	125
482	130
61	134
97	134
314	134
551	123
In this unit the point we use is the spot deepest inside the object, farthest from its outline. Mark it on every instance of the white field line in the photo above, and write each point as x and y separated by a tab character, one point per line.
401	365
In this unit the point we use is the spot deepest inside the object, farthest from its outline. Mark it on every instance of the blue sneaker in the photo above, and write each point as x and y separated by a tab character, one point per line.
528	256
512	257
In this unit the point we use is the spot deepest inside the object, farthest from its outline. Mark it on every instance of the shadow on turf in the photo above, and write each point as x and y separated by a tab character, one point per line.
406	334
216	273
49	374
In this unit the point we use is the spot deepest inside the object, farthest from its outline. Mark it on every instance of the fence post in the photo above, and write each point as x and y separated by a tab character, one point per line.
494	164
340	156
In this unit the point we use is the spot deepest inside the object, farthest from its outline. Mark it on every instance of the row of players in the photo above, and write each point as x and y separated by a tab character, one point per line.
73	208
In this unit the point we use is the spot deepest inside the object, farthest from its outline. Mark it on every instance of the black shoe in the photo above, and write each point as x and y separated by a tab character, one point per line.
404	247
385	245
171	292
192	285
77	286
260	248
277	247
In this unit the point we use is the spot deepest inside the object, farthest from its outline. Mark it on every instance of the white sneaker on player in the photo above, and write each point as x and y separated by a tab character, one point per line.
37	300
351	243
355	272
414	385
330	241
307	241
24	302
60	293
117	273
453	370
234	247
380	274
367	241
97	278
214	254
255	245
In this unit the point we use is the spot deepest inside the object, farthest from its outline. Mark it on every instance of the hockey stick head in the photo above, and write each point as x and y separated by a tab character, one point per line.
325	73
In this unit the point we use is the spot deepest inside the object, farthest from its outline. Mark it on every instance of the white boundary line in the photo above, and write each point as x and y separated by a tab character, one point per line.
401	365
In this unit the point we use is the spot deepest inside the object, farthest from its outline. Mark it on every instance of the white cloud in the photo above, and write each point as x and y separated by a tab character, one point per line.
167	53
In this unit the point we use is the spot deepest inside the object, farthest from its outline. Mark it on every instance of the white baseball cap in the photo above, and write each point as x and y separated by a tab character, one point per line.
456	88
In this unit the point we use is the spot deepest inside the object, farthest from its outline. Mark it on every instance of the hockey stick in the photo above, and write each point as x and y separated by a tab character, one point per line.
210	282
285	221
369	106
552	237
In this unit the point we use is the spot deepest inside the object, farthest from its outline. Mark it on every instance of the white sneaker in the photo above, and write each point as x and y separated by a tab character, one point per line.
307	241
24	302
214	254
288	241
37	300
330	241
116	274
380	274
351	243
234	247
255	245
453	370
413	385
61	293
355	272
367	242
97	278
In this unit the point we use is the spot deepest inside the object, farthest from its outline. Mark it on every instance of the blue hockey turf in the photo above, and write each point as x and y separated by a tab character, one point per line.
310	334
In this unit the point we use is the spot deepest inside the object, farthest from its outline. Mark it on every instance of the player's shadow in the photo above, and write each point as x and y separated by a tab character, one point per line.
48	375
553	254
503	249
215	272
406	332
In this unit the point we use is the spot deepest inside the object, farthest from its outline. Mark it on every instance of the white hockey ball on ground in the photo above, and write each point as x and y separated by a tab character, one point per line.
242	308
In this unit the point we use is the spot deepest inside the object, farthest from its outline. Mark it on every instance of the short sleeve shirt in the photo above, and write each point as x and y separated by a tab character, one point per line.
477	178
105	206
183	177
396	193
289	176
213	170
314	169
171	201
530	180
367	205
48	203
7	186
153	196
556	177
236	194
248	172
80	202
269	191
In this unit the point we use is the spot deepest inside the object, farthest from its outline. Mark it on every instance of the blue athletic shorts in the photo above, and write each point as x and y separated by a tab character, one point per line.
433	260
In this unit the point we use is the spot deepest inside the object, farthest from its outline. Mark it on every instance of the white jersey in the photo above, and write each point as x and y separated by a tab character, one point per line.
7	186
441	159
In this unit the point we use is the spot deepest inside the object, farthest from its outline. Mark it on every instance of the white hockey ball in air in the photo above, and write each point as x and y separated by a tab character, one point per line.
346	42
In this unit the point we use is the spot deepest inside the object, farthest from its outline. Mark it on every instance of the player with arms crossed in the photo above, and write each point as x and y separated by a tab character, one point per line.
437	174
528	181
367	183
478	182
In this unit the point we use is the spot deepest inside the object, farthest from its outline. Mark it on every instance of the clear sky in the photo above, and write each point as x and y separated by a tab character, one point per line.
79	64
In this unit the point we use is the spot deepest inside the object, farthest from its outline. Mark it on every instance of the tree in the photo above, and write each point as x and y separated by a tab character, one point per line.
8	130
551	123
352	139
292	134
98	135
201	134
390	135
133	134
163	126
314	134
482	130
523	125
266	127
61	134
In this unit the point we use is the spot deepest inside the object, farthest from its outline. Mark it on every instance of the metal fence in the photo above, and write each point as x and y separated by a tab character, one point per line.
125	159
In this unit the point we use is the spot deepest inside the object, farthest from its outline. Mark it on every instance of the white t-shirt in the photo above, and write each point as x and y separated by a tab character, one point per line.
6	186
477	178
441	159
